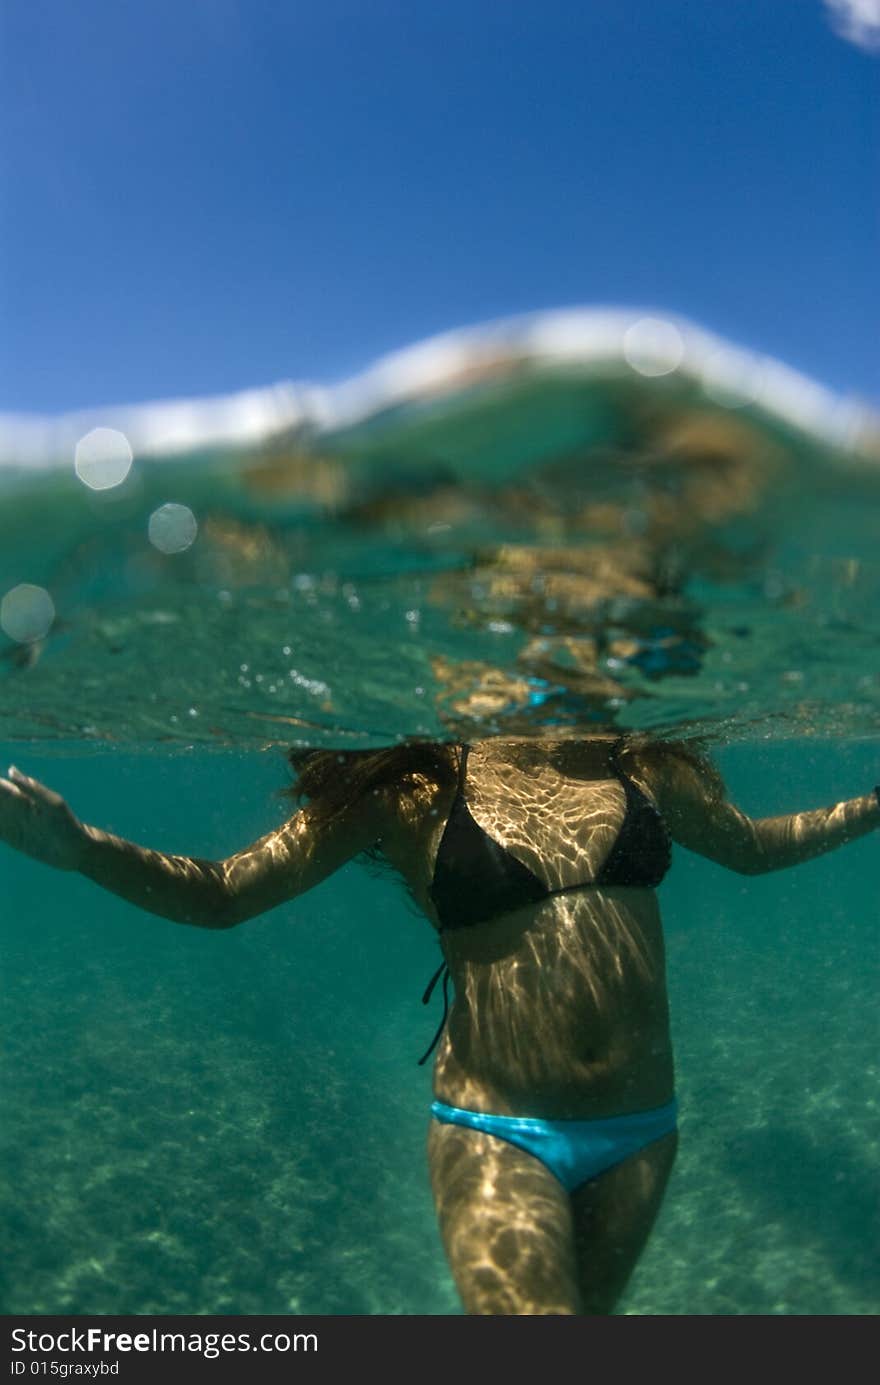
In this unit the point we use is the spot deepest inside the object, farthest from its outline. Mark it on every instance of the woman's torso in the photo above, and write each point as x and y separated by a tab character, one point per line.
560	1005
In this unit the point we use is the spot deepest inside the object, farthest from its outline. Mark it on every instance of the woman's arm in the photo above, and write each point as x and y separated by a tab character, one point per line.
207	894
714	827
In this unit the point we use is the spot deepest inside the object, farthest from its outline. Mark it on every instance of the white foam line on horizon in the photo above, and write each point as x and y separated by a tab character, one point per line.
166	427
433	368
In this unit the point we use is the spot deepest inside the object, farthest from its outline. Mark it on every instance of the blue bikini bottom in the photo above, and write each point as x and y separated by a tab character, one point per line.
575	1151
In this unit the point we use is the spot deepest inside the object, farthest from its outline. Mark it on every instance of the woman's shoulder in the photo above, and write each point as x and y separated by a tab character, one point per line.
675	771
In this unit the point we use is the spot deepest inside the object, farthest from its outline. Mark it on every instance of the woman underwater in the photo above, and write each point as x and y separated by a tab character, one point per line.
553	1128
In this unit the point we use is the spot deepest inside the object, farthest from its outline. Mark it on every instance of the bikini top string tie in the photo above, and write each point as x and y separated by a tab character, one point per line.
442	970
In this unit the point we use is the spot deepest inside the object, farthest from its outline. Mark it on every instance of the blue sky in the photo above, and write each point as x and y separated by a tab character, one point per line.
203	195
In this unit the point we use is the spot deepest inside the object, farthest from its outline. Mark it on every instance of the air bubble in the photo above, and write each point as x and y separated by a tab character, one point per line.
653	347
27	613
172	528
102	458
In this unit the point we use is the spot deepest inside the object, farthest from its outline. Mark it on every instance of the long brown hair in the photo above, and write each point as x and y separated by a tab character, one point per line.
331	780
685	759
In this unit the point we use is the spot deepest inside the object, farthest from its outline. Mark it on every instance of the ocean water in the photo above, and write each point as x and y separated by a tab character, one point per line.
235	1122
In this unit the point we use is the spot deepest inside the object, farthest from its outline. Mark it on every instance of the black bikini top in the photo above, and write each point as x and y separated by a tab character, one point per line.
475	879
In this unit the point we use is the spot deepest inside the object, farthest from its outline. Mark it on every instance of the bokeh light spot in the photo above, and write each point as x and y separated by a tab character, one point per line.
172	528
103	458
653	347
27	613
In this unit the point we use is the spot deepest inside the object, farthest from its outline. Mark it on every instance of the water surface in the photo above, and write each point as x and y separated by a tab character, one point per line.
235	1122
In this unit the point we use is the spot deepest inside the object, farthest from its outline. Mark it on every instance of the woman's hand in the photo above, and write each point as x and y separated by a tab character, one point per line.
37	821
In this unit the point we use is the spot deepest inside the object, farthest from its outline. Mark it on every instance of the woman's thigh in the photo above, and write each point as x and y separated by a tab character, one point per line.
612	1218
506	1225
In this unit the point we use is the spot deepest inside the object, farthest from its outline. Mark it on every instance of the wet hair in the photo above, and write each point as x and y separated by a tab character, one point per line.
331	780
685	760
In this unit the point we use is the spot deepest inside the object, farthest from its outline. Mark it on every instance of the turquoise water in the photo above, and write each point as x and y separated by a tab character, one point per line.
234	1123
546	547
